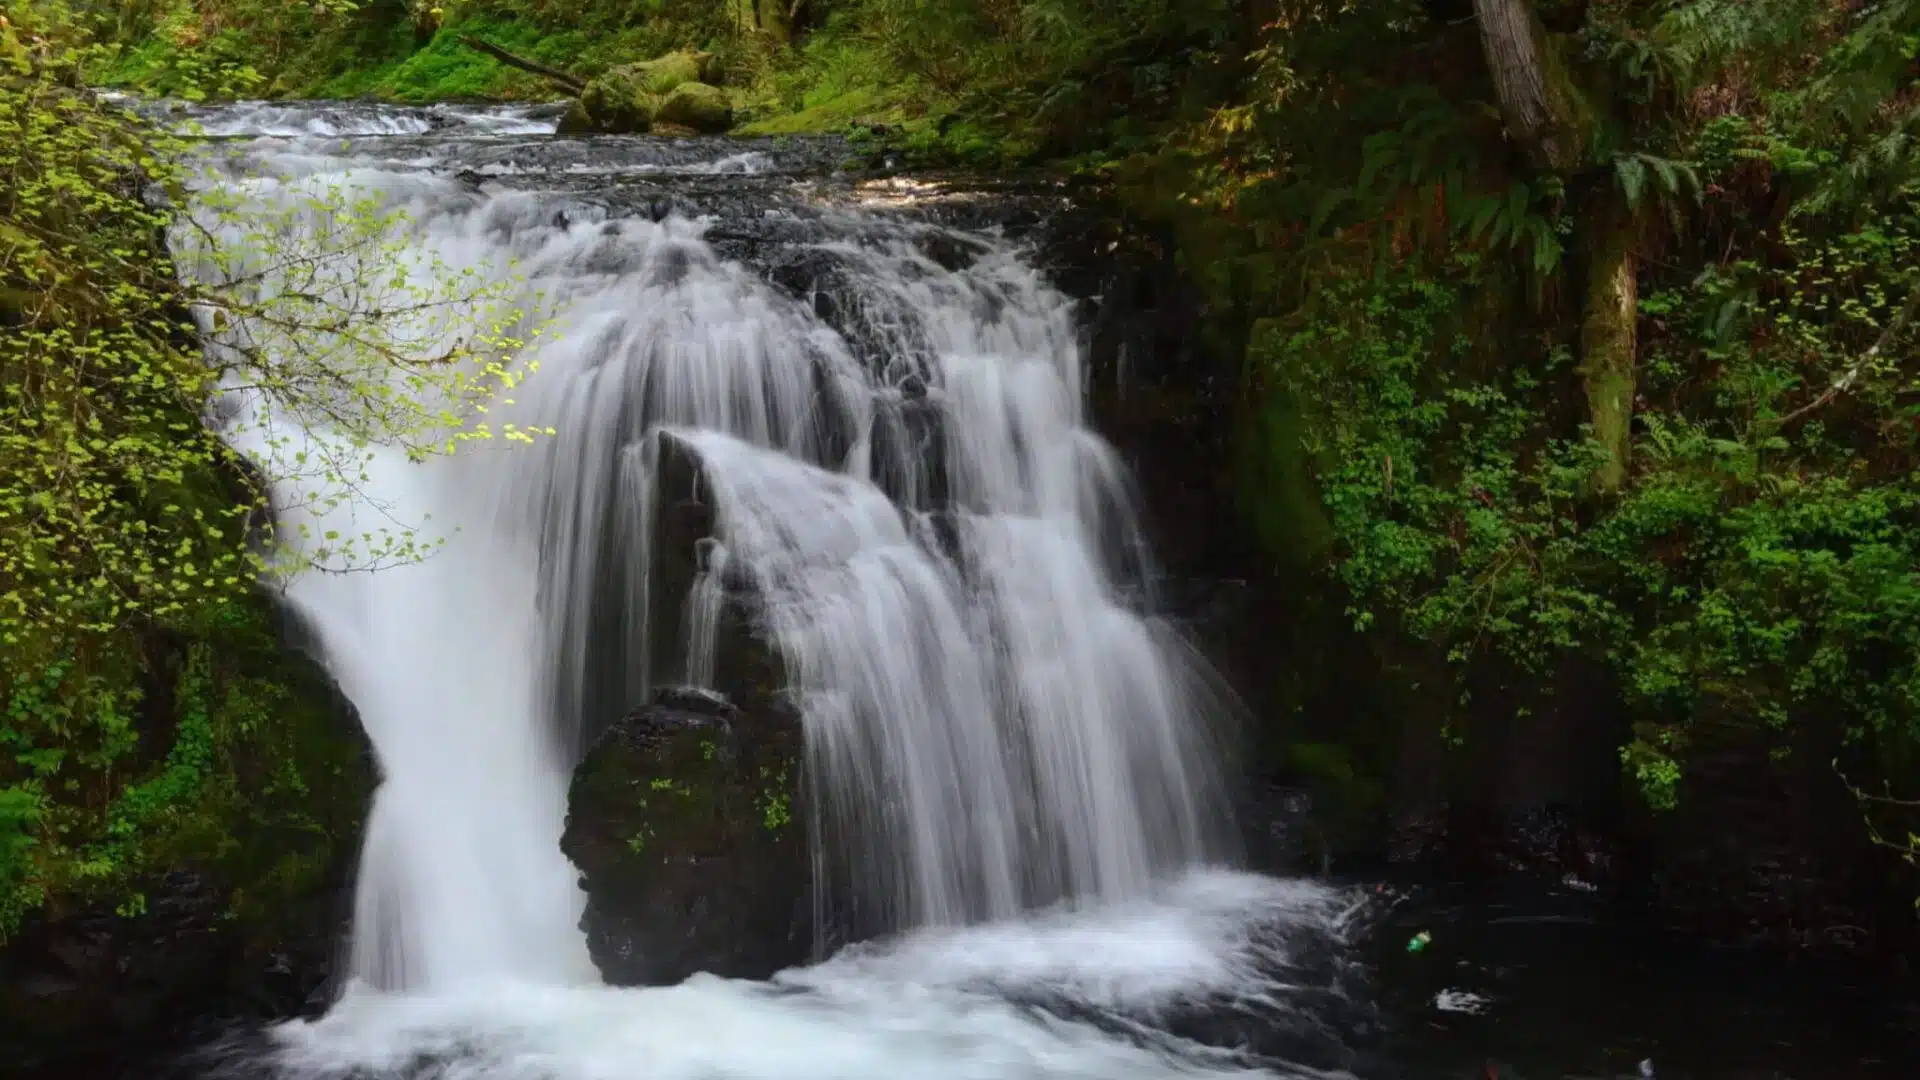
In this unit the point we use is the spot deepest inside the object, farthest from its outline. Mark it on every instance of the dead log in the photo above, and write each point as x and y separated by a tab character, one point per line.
571	83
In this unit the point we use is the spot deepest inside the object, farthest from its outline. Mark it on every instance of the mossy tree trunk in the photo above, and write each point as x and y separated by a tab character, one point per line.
1608	344
426	20
774	18
1537	101
1546	114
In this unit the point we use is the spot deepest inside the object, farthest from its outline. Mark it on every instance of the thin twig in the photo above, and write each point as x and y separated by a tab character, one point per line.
1845	382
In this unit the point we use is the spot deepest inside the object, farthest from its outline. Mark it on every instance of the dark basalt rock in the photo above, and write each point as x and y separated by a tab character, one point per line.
683	820
1279	832
684	815
78	994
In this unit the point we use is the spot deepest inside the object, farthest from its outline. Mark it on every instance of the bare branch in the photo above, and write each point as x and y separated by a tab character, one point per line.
569	81
1852	375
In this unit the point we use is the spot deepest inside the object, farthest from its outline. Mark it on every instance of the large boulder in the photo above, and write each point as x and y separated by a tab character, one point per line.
661	75
697	106
627	100
576	120
684	817
614	103
683	821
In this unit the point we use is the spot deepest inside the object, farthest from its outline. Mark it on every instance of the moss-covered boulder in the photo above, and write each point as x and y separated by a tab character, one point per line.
684	817
617	104
577	120
661	75
682	822
698	107
628	99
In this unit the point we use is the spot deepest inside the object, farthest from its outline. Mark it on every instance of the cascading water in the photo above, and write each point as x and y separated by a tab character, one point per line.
940	551
1031	738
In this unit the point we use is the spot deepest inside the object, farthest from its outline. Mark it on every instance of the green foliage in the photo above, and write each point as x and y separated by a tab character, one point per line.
151	721
776	809
1758	567
400	50
205	747
98	439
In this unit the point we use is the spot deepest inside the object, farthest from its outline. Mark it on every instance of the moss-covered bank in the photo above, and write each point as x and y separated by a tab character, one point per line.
205	872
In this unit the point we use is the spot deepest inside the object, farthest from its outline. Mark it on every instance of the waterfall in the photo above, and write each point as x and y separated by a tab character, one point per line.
905	491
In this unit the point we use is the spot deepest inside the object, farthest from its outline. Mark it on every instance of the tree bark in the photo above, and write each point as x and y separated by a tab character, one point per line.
573	83
1544	114
426	21
1535	100
1609	345
774	19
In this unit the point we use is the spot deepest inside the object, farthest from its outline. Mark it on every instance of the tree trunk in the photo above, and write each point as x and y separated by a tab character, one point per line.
1545	115
774	19
1537	102
426	21
1608	344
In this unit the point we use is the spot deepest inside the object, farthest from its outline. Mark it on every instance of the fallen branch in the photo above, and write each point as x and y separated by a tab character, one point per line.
1845	382
572	83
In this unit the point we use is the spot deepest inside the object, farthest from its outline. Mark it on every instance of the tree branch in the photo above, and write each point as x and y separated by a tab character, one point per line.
571	82
1852	375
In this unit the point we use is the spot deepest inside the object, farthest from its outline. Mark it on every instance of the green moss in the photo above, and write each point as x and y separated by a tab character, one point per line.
826	115
253	777
1608	349
698	107
776	807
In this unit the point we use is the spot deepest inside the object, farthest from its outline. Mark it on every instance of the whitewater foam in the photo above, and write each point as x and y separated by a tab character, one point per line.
955	1004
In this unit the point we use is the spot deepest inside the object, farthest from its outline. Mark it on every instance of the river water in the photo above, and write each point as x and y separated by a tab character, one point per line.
885	396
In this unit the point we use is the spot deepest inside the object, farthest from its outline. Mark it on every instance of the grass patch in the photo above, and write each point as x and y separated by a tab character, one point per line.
834	83
445	69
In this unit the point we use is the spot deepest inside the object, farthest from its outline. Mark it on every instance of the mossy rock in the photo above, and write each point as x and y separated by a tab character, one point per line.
682	823
230	895
577	121
614	103
627	100
661	75
697	106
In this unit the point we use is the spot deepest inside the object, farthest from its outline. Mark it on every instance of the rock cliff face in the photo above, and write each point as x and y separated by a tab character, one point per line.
1355	754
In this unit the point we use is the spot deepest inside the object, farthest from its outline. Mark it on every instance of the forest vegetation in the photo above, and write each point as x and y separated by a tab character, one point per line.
1571	335
156	723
